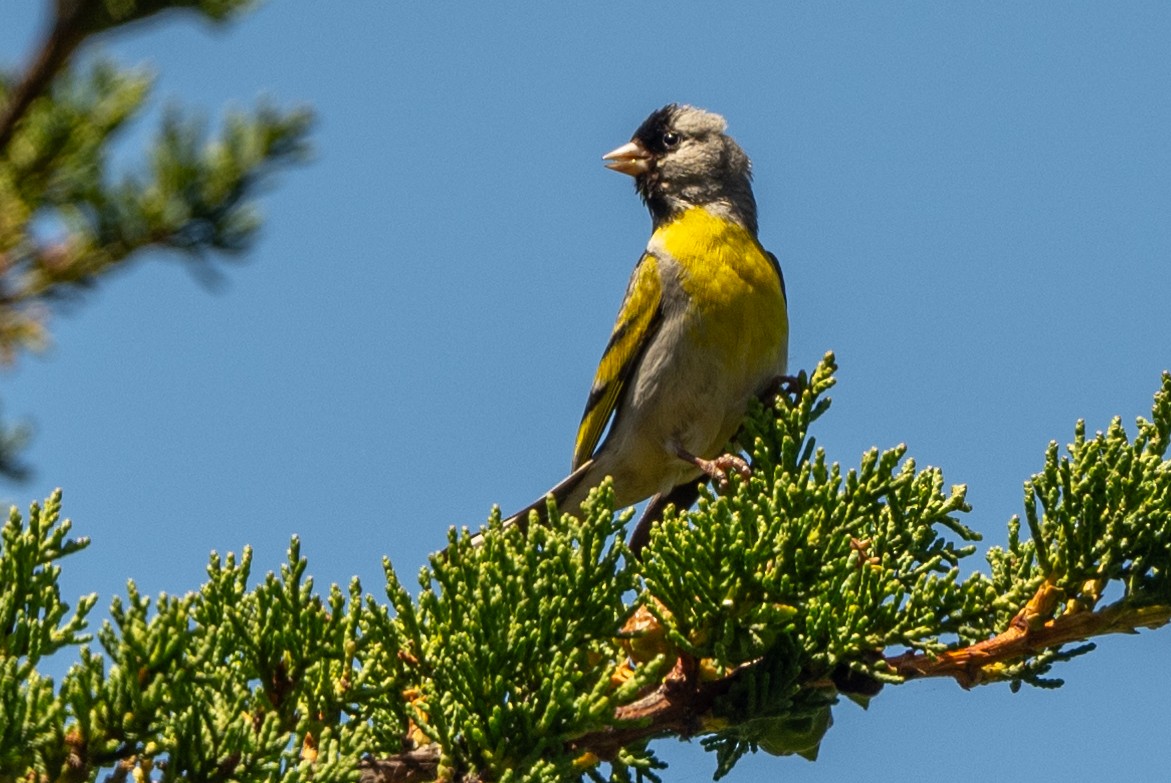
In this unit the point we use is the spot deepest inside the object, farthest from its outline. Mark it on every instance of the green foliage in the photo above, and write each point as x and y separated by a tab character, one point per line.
518	659
1106	510
513	644
35	621
1100	517
229	683
851	564
817	568
34	624
194	198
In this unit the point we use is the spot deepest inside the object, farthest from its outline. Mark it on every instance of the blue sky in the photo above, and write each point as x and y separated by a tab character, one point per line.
970	203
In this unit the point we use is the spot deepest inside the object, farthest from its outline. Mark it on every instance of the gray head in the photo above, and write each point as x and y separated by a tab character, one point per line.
681	157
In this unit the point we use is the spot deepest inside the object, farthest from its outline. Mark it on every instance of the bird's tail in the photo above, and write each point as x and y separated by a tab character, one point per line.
573	489
568	494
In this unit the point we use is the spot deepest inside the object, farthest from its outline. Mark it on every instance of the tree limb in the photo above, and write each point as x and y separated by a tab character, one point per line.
978	663
64	37
676	707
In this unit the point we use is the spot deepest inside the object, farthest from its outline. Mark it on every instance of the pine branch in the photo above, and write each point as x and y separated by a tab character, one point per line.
64	36
56	129
73	22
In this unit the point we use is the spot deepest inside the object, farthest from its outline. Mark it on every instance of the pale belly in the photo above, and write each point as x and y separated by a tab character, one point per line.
693	400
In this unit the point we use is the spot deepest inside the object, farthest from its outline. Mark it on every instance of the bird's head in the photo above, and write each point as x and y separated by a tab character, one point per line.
681	157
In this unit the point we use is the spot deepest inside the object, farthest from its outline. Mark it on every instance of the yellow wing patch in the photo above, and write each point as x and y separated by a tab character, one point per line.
637	321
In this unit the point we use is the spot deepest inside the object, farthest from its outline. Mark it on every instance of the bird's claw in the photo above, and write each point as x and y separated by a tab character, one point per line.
724	464
718	469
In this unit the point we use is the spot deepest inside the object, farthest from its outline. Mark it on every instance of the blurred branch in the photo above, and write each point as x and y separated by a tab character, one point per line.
65	35
66	221
75	20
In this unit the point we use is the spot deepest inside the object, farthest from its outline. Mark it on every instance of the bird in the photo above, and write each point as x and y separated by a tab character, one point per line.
703	327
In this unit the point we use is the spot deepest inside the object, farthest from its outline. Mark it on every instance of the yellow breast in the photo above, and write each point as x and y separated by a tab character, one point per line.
733	287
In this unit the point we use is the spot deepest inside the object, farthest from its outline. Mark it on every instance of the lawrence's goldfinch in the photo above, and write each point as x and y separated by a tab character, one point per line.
702	330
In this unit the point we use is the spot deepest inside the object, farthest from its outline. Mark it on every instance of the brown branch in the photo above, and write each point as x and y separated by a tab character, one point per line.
421	764
73	21
64	37
676	707
1028	634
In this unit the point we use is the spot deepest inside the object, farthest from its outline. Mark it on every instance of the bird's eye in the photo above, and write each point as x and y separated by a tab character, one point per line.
670	140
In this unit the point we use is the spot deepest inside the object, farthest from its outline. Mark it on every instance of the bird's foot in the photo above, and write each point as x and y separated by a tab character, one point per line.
717	469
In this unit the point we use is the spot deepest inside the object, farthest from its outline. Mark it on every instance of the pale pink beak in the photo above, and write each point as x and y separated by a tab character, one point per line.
631	158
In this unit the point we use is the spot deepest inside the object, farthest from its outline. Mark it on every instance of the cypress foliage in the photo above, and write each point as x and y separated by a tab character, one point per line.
554	654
